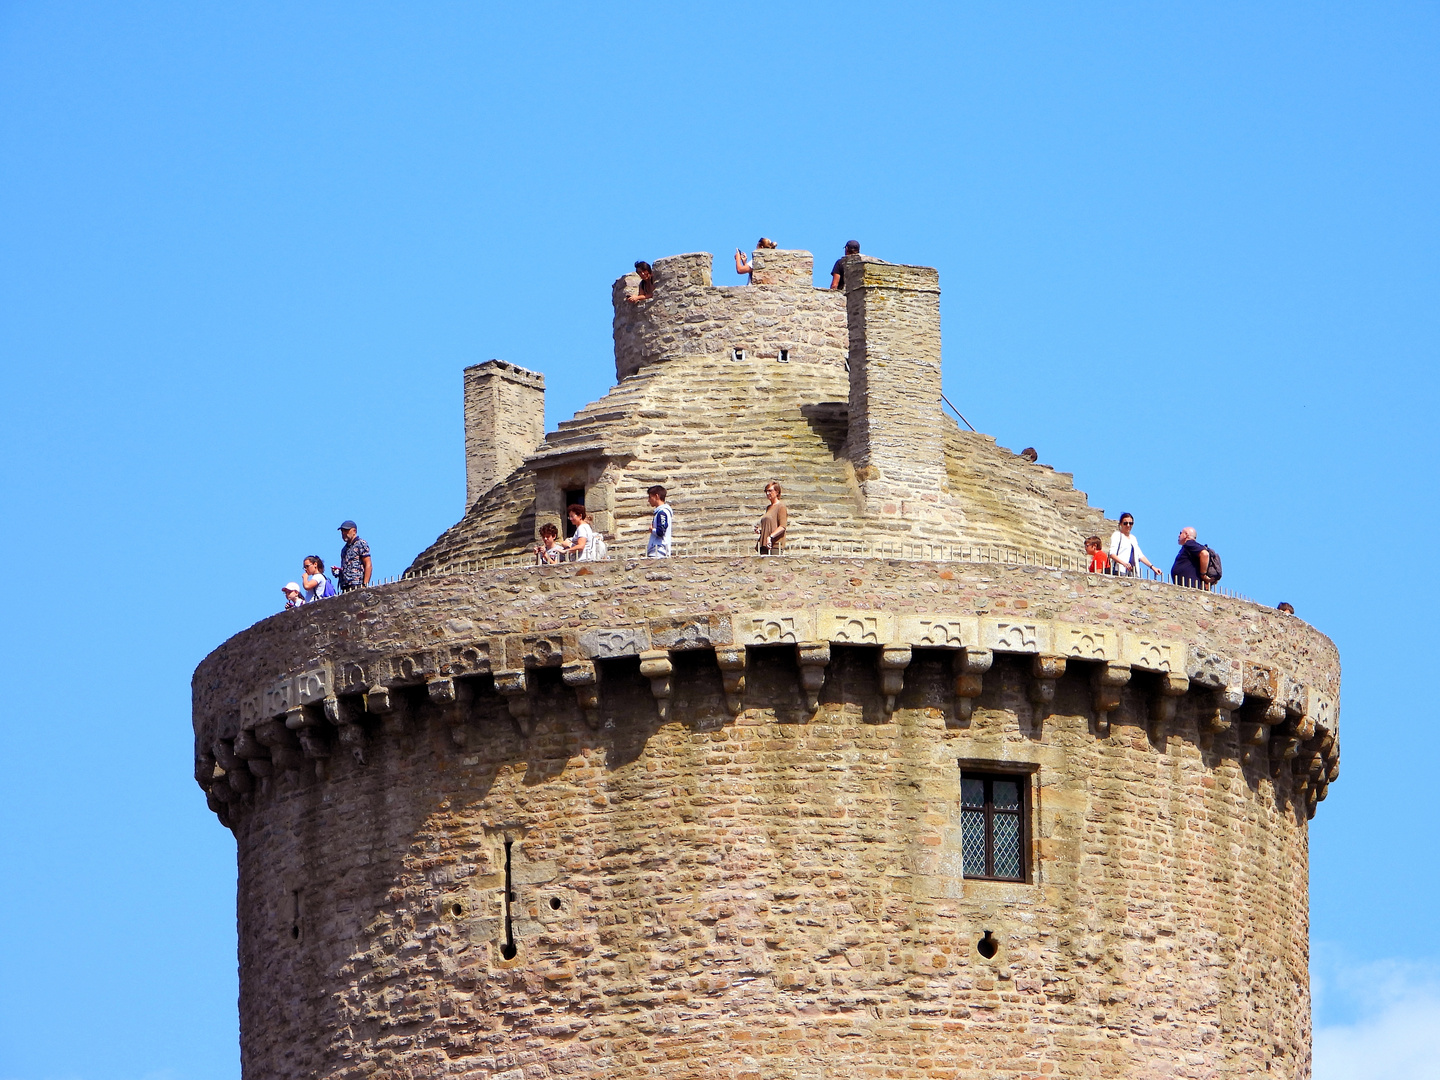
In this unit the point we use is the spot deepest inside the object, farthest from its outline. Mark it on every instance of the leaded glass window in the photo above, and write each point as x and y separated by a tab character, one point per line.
992	825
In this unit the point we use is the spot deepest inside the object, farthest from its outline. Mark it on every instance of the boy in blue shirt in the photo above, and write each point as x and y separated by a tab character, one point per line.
662	525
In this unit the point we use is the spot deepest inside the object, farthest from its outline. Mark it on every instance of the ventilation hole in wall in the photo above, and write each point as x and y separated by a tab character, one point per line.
784	356
507	950
737	354
456	909
554	903
987	946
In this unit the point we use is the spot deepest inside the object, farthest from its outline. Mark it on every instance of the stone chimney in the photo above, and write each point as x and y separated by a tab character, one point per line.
896	440
504	423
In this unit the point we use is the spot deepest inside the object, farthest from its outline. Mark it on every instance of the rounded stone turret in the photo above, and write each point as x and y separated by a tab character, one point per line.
824	815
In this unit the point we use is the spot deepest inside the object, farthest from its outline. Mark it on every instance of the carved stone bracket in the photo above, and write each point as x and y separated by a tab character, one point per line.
1255	729
1045	671
347	726
1107	682
731	661
284	747
655	665
454	697
814	659
969	667
305	721
255	754
1215	716
514	687
583	677
1173	687
894	659
388	704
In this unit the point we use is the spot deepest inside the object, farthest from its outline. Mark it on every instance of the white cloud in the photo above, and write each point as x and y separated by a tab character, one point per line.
1375	1021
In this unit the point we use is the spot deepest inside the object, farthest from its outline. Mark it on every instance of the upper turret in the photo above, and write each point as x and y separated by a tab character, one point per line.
722	388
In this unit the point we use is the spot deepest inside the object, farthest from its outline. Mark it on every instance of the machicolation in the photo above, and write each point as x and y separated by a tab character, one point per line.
918	799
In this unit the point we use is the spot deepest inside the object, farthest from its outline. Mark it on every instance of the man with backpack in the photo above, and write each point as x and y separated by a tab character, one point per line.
1195	564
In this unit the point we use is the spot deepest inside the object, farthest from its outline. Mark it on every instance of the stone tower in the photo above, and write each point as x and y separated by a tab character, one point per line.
919	798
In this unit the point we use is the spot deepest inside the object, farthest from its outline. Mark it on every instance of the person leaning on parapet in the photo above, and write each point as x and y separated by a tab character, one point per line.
742	264
647	283
548	551
1125	553
581	545
354	569
312	578
1099	561
662	525
293	599
1191	561
771	529
837	272
1285	607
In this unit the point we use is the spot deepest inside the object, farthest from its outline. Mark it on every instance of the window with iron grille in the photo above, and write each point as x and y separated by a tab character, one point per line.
992	825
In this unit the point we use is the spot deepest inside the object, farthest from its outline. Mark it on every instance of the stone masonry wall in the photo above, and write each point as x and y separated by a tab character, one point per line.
688	315
893	314
773	892
504	423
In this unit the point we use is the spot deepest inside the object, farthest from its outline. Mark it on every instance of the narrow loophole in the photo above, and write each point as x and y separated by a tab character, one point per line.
784	356
987	946
507	950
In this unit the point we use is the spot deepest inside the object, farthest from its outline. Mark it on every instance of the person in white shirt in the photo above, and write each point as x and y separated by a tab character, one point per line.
662	525
1124	550
581	545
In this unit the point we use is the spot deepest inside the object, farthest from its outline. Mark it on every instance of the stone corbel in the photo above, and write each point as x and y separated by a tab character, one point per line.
304	720
1285	742
454	697
347	726
969	668
1107	682
1255	729
1045	672
514	687
237	776
894	659
1215	716
257	757
284	747
583	677
813	658
204	769
1167	697
731	661
389	705
655	665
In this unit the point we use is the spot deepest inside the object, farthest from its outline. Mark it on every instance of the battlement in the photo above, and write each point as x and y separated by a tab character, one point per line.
779	317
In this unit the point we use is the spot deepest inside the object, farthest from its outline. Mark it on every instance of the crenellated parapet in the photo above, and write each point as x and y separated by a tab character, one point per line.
307	685
780	317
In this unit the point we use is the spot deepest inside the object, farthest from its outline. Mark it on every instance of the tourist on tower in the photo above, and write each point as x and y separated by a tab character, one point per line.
771	529
661	525
1125	553
354	569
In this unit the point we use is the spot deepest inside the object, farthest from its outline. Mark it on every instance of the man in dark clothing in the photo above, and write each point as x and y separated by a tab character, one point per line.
837	272
354	569
1191	561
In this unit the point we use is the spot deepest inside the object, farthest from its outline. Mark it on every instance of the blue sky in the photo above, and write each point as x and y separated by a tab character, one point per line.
1189	254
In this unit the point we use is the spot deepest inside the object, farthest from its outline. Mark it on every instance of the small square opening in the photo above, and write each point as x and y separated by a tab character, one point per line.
737	354
784	356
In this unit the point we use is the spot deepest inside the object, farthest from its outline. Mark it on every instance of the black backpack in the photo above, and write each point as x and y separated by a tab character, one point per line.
1212	568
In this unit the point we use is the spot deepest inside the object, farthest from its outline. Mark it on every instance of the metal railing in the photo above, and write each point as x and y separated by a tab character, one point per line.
899	550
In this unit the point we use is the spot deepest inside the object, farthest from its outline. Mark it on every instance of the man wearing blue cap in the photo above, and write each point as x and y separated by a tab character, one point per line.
354	569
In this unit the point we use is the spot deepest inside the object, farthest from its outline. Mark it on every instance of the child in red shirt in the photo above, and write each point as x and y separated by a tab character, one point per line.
1099	561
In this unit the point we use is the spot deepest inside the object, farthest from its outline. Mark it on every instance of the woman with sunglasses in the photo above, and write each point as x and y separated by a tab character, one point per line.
1124	550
